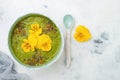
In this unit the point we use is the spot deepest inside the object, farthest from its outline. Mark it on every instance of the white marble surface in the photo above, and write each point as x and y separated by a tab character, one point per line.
98	15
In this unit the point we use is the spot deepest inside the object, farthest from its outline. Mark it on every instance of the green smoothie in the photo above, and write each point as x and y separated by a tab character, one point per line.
20	31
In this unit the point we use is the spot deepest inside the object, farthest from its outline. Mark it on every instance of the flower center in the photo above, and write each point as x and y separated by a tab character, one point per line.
27	45
81	35
35	28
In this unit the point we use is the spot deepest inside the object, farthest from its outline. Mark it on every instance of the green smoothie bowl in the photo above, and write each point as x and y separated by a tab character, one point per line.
35	41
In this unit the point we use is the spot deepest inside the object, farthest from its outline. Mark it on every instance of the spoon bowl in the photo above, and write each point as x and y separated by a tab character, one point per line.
68	21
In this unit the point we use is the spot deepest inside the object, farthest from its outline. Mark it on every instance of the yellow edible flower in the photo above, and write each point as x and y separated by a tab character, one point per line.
82	34
44	42
35	29
29	44
35	40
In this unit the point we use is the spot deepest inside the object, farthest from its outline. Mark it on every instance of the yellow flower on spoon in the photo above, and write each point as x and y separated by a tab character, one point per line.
82	34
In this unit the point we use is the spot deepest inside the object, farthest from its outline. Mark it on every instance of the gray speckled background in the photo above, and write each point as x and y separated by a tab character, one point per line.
98	59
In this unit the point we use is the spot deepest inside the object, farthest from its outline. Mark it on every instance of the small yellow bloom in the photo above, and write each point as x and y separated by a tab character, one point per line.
44	42
82	34
26	46
33	40
35	29
29	44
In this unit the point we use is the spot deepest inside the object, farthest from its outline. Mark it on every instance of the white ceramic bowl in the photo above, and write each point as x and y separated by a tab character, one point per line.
43	66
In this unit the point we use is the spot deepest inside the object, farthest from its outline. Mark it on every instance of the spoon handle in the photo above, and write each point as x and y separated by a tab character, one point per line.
68	48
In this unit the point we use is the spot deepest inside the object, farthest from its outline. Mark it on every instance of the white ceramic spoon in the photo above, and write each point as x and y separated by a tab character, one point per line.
68	22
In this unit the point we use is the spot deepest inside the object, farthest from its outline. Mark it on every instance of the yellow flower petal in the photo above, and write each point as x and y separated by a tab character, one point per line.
35	26
82	34
29	45
46	47
44	42
25	46
81	29
31	31
33	40
35	29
